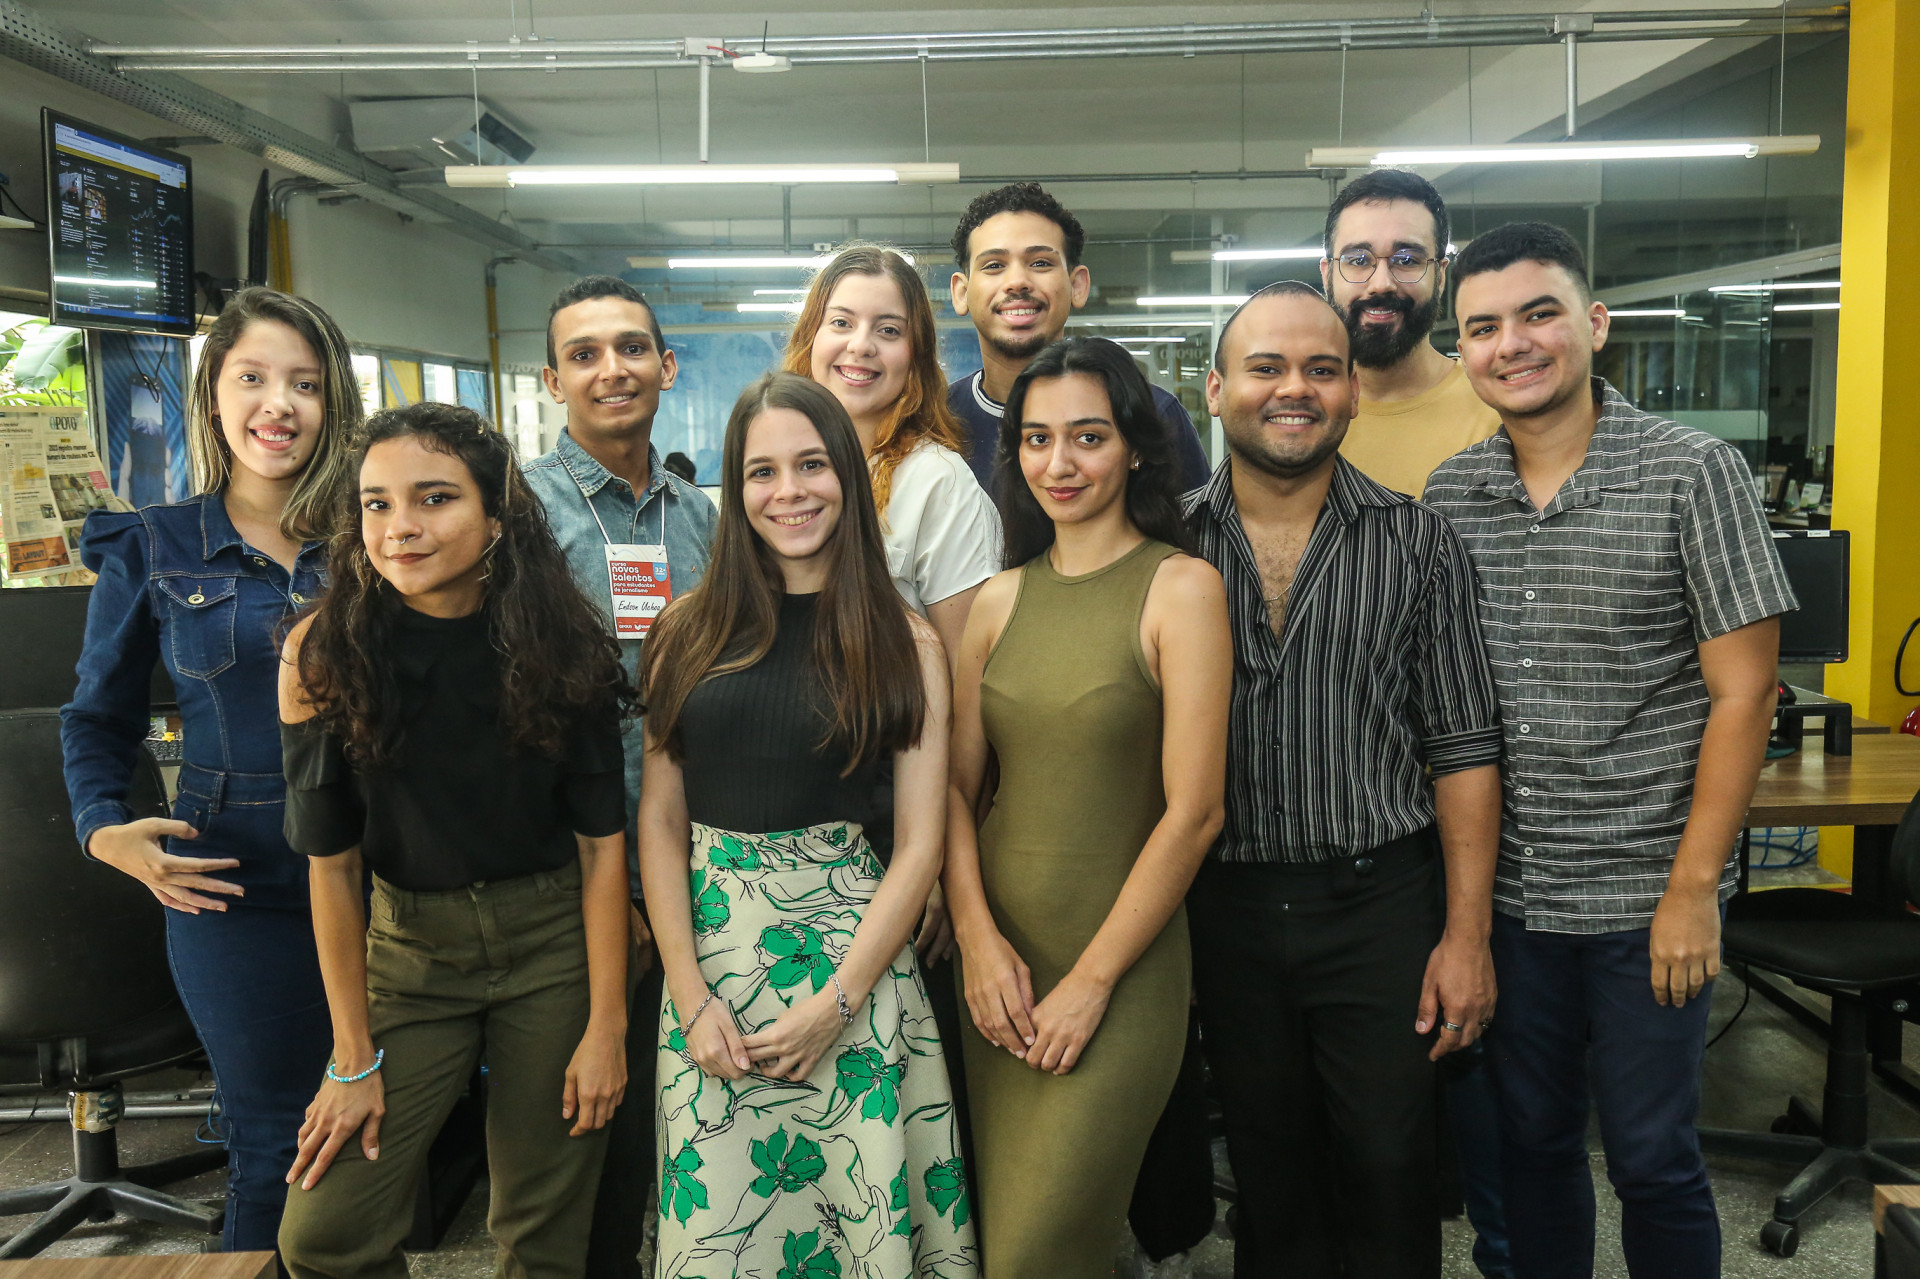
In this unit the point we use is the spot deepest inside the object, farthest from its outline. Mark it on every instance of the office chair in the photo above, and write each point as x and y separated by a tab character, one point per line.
86	998
1860	954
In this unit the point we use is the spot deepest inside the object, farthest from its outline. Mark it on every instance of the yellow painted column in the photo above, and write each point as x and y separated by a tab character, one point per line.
1876	452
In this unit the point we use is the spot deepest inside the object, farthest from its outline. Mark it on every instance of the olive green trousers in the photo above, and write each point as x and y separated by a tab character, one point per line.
496	970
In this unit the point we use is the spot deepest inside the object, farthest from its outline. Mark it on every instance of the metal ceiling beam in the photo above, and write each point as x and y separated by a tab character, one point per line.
27	37
1049	44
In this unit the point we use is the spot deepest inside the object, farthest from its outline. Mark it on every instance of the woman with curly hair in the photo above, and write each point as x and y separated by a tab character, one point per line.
450	715
805	1117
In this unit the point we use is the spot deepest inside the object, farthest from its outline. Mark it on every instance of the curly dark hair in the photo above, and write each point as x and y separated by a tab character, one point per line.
559	662
1018	197
1153	491
1511	242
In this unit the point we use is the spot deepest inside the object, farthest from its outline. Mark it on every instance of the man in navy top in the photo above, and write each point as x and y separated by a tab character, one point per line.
1018	276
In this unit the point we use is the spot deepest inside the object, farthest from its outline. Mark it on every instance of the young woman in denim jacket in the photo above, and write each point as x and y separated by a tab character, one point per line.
203	585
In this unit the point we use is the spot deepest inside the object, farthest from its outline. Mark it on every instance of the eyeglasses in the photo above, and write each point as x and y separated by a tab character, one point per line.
1405	266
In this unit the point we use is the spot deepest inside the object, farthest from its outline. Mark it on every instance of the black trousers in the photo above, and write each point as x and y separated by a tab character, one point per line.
1172	1208
624	1203
1309	982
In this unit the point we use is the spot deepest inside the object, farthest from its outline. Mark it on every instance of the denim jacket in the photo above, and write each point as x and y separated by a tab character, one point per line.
672	512
179	585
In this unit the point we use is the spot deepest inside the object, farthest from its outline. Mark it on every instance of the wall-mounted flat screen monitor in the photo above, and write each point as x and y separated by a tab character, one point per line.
1816	564
120	230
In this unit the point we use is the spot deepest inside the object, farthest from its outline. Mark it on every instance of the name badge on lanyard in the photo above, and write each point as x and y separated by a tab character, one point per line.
641	585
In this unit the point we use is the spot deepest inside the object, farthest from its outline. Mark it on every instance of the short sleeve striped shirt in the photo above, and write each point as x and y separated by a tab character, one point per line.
1593	612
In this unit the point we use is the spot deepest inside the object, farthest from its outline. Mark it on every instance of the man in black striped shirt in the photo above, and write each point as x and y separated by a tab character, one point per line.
1364	739
1629	593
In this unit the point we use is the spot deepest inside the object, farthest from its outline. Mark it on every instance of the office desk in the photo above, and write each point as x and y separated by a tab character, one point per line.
182	1265
1868	790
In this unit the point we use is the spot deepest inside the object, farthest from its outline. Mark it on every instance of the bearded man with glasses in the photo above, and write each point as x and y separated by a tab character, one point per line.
1386	273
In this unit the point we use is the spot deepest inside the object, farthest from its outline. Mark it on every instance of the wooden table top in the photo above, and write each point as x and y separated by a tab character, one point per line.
1871	787
1885	1197
172	1265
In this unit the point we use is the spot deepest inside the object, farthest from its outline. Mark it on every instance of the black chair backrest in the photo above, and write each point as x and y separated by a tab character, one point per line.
44	626
85	992
1903	868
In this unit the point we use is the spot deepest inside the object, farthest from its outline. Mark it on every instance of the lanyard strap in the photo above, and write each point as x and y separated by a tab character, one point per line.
606	536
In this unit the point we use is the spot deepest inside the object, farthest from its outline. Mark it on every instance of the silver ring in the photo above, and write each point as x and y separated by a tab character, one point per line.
1454	1026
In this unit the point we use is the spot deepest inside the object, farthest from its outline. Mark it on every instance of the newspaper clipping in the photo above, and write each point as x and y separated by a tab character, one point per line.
52	480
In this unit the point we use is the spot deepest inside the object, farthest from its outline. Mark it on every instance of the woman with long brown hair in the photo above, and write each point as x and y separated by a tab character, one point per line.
202	586
866	333
805	1119
450	716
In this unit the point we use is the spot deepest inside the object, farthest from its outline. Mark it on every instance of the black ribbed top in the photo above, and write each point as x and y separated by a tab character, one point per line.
462	803
752	739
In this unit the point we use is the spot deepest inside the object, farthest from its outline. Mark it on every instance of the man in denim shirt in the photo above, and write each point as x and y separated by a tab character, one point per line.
603	484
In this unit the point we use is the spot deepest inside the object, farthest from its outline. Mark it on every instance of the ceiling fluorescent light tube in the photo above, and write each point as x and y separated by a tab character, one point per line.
1536	152
507	175
1775	287
807	261
1671	313
791	308
1221	299
1807	306
1267	255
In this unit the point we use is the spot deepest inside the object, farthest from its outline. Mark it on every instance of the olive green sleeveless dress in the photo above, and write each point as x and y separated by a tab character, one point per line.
1075	718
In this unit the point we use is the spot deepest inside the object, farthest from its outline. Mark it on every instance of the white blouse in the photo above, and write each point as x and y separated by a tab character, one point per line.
942	532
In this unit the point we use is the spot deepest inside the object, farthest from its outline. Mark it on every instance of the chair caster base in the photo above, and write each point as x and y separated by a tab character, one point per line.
1781	1238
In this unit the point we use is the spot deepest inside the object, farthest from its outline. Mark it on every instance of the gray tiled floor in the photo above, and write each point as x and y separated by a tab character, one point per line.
1748	1077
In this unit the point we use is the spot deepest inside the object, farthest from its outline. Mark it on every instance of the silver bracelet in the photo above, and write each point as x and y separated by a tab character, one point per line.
687	1025
846	1010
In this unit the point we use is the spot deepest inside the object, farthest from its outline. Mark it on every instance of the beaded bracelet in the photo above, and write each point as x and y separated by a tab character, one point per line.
379	1056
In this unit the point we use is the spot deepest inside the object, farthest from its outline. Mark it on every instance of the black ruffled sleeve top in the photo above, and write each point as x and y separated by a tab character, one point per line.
461	804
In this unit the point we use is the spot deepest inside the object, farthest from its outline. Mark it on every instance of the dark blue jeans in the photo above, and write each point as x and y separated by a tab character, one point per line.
1578	1026
1473	1112
250	980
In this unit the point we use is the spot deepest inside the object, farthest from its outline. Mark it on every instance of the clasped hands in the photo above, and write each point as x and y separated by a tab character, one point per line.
1049	1035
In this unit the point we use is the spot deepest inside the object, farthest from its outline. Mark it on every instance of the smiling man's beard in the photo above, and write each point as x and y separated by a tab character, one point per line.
1246	434
1023	345
1379	346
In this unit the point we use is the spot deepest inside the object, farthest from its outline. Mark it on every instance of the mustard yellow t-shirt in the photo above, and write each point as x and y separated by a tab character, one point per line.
1398	442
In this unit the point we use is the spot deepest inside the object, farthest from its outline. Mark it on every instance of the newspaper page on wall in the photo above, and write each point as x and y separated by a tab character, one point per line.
52	481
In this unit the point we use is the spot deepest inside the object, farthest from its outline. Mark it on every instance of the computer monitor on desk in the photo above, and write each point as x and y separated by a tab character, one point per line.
1816	562
44	627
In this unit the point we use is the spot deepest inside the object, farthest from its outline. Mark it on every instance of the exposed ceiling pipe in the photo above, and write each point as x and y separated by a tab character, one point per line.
1194	40
27	37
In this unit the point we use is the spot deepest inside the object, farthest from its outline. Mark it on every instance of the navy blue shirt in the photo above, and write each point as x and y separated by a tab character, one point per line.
980	414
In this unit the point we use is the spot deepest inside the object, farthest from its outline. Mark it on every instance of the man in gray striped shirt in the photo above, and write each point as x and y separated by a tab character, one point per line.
1629	597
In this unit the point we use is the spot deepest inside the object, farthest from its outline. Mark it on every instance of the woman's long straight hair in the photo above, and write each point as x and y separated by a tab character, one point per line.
1153	491
315	499
863	643
921	412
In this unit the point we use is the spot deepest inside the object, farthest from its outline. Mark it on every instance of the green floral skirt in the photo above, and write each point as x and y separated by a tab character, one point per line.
853	1173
